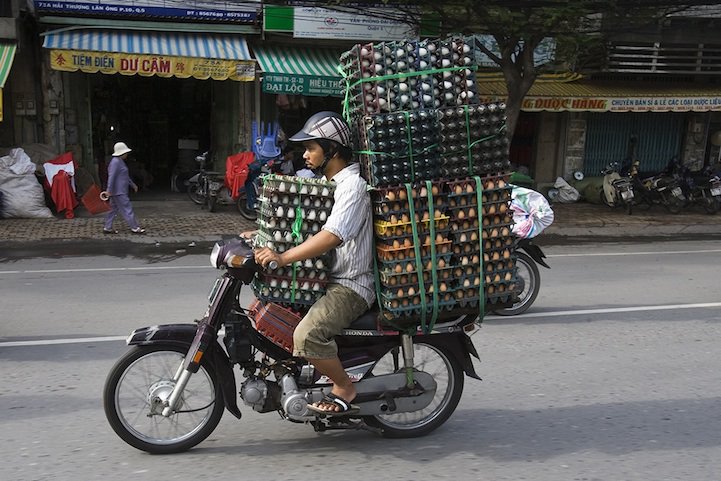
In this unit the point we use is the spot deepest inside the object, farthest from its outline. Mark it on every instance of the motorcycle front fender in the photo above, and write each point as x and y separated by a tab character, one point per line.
193	179
182	335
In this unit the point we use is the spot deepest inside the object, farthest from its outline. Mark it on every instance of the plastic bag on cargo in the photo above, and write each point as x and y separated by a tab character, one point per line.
566	192
531	212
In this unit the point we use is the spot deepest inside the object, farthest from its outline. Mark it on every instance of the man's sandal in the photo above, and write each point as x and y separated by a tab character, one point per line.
344	407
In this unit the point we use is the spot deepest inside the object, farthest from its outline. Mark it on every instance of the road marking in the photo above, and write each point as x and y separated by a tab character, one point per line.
221	333
104	269
611	310
49	342
602	254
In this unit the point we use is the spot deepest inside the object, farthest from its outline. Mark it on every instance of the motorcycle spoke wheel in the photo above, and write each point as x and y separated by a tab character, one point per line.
195	195
710	205
245	211
529	278
130	397
449	386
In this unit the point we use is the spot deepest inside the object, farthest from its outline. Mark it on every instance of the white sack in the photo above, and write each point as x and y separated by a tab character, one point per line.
566	192
22	193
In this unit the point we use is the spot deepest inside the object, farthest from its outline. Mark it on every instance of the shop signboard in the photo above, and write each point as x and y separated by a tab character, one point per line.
197	10
151	65
282	83
706	103
366	24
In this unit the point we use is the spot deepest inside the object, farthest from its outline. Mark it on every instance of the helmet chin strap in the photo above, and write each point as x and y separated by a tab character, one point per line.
321	169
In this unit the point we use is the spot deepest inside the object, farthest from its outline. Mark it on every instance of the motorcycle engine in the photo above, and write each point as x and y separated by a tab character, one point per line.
261	395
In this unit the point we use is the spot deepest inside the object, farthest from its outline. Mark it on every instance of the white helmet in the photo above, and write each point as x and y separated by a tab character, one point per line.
325	125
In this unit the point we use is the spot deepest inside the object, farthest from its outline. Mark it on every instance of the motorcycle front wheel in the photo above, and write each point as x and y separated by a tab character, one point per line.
674	204
710	205
448	375
133	395
529	279
195	195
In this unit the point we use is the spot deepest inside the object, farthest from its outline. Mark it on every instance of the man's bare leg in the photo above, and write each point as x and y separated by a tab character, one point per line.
342	385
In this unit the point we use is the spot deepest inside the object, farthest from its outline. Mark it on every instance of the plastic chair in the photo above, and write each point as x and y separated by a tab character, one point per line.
265	143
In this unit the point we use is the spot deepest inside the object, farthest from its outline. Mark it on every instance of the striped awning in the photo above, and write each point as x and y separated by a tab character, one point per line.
165	54
300	71
7	55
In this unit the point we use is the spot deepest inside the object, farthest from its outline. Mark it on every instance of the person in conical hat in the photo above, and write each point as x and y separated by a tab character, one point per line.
117	192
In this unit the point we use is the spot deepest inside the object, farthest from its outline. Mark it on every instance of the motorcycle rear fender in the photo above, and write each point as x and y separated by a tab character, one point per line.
535	252
460	345
182	335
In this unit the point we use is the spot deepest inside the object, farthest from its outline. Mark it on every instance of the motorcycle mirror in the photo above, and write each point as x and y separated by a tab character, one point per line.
578	175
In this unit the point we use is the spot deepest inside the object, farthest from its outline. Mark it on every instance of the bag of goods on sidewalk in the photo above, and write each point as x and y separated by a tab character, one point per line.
437	161
292	210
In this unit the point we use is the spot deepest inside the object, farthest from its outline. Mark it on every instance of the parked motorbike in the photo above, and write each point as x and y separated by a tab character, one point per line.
208	189
529	277
617	190
659	189
169	391
701	188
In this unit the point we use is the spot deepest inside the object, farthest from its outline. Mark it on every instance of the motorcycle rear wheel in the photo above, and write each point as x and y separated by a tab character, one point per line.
674	204
447	373
245	211
710	205
530	280
143	373
195	195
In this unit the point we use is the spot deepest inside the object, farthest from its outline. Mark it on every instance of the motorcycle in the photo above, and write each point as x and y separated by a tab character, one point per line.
617	189
169	391
701	188
659	189
208	189
528	257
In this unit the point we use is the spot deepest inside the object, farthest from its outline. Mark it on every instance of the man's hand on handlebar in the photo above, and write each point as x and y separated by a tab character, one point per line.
268	258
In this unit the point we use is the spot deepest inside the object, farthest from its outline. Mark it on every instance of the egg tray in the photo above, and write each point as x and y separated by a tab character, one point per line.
466	248
301	283
403	265
391	254
461	236
393	279
269	211
287	184
501	207
415	309
382	227
283	296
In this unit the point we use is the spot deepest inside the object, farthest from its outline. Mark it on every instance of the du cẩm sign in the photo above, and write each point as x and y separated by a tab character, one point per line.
196	10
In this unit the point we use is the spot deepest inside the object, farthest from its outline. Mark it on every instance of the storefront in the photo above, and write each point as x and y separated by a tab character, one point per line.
169	95
296	82
594	123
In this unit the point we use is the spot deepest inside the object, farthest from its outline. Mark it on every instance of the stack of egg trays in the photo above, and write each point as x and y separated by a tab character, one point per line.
398	148
409	75
396	253
473	140
488	236
287	203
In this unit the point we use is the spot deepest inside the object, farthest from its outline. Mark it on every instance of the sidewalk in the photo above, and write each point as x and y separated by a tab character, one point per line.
171	218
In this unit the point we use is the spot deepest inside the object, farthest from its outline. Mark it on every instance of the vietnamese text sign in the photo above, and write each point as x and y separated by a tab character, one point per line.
219	11
352	24
281	83
149	65
616	104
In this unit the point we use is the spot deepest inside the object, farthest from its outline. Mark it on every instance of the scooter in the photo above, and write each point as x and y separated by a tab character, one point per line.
169	391
617	190
701	188
529	257
659	189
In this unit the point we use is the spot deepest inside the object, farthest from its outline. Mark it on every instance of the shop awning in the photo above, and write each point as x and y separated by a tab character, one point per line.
7	55
585	96
164	54
300	71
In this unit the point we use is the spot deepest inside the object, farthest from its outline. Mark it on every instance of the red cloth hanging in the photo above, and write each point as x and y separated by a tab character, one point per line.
63	194
236	171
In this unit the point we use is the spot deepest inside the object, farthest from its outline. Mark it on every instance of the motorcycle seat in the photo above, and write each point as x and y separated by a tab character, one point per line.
366	321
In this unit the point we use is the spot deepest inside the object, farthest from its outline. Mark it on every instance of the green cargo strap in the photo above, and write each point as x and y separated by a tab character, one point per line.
482	294
295	231
410	145
468	140
419	261
434	263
